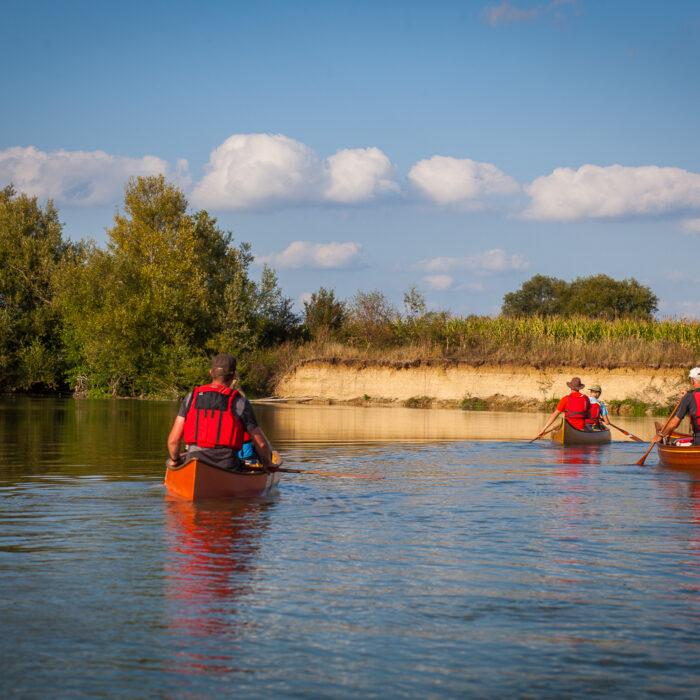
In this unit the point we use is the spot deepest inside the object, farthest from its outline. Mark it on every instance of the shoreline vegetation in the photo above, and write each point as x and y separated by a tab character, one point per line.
140	316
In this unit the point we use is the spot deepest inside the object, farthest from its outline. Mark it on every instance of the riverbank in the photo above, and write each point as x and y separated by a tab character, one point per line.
626	390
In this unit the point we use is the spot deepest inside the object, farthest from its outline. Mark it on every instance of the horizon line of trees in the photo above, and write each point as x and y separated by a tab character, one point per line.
142	315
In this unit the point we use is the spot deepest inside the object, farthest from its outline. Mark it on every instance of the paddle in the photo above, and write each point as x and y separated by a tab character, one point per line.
541	435
340	474
629	435
640	463
277	461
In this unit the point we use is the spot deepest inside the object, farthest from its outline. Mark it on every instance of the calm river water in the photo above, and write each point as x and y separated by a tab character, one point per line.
475	568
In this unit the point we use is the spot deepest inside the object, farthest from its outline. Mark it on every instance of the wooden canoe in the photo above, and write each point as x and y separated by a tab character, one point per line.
566	434
675	457
685	458
195	479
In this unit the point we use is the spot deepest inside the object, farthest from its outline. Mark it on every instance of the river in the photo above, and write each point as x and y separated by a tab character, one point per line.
480	566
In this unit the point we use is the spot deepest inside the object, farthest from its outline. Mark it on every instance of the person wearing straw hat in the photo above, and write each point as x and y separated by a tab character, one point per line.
575	406
689	406
599	413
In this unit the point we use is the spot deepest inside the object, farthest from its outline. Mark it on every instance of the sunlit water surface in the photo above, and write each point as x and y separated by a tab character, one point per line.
475	568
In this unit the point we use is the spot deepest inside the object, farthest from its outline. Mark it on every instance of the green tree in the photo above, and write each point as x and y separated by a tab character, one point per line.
139	314
601	296
371	318
597	296
540	295
324	311
414	303
31	250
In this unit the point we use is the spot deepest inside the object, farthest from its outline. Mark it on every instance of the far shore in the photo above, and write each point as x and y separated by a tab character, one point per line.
626	390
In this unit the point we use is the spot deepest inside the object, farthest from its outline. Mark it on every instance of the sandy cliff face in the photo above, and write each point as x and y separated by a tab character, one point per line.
344	381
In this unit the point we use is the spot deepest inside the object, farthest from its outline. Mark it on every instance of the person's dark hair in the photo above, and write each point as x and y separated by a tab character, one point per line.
223	367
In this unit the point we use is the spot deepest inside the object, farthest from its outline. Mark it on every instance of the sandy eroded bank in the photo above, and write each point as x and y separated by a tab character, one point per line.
452	382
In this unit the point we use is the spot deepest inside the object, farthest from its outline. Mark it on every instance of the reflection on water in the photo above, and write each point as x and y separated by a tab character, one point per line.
211	552
475	568
324	424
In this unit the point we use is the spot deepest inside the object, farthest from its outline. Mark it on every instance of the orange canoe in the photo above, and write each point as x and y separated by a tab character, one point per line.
196	479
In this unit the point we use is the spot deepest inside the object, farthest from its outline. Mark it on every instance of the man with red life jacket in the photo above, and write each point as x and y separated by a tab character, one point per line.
213	420
575	406
689	406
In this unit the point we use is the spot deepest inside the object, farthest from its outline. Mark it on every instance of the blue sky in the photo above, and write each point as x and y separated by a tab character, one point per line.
458	146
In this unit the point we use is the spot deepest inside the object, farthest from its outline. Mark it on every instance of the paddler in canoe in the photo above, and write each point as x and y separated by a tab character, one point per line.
575	406
213	420
689	406
599	412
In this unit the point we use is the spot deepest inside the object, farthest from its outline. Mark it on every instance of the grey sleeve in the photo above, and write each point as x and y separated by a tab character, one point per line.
185	405
684	408
244	412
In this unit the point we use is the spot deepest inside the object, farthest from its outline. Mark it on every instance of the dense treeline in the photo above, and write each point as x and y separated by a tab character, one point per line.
141	315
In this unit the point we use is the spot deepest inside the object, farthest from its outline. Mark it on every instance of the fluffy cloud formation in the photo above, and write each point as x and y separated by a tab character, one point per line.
76	178
255	171
315	255
488	262
593	191
356	175
447	180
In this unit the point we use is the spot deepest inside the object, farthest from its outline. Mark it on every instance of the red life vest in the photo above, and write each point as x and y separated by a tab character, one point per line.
210	422
694	411
578	408
594	416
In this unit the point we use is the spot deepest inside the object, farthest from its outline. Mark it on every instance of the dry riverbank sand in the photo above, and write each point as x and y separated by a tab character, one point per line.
451	382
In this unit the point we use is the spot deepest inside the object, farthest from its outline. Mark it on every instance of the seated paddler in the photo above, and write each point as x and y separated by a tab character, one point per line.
598	419
688	406
575	406
213	420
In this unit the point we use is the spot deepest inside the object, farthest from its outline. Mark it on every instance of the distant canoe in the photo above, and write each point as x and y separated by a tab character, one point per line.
196	479
568	435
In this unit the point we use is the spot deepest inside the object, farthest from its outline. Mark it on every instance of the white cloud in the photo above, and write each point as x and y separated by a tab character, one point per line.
301	254
447	180
441	282
249	171
593	191
77	178
357	175
487	262
691	225
505	13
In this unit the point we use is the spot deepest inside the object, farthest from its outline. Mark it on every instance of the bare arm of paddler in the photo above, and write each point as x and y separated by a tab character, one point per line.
555	414
262	447
175	439
672	425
